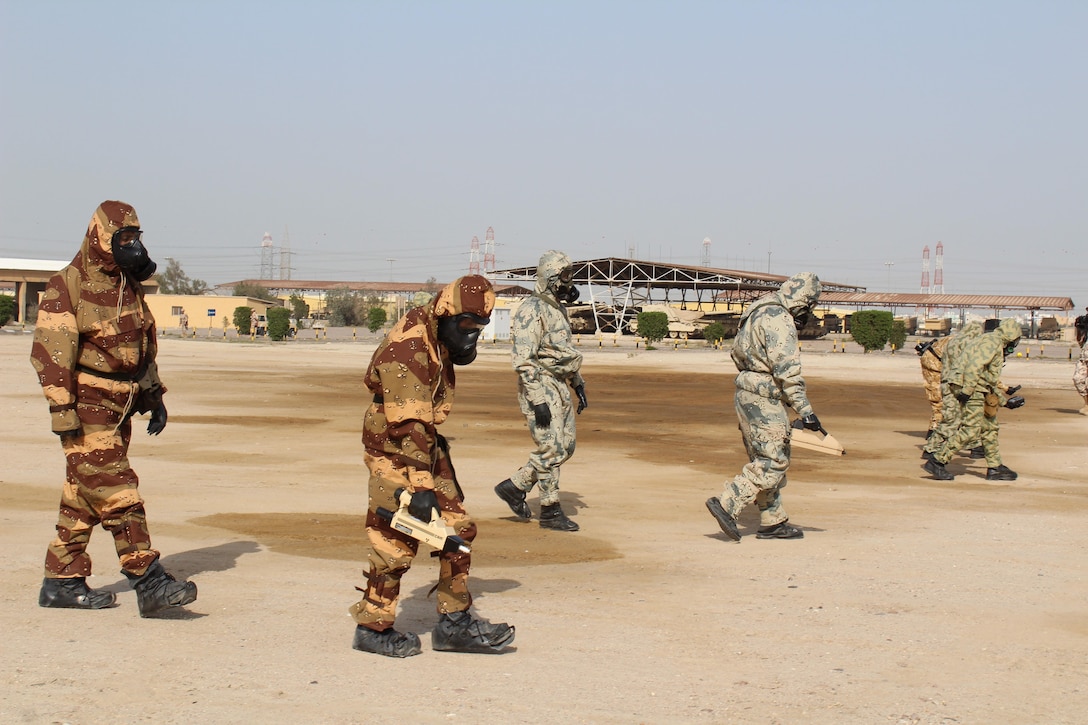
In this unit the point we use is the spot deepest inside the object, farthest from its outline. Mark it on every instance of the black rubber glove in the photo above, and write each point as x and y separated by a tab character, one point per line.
962	397
1013	389
158	419
421	504
1015	401
811	422
543	415
580	391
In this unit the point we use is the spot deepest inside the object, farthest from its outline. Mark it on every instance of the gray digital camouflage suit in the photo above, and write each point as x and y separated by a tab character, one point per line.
767	354
548	365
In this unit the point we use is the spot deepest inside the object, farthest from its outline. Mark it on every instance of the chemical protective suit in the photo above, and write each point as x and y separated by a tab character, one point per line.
411	376
972	377
94	353
546	362
768	355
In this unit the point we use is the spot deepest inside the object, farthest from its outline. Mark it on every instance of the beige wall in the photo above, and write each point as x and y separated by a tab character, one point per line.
164	307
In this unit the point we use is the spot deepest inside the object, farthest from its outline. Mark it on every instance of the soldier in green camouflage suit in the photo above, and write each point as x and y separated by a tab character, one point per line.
767	353
411	376
546	362
94	352
948	371
973	380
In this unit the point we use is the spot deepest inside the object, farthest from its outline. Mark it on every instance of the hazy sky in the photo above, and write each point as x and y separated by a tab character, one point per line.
836	137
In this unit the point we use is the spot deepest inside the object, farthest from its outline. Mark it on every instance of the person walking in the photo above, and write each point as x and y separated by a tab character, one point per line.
411	377
767	354
548	367
94	353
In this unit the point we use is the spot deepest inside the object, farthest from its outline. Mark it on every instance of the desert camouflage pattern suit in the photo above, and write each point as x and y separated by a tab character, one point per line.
548	365
931	362
94	352
973	371
767	353
412	380
1080	377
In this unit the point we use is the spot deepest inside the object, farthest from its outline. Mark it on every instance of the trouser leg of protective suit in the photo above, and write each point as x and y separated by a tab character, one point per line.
951	415
392	552
932	377
988	438
970	429
555	443
100	488
764	426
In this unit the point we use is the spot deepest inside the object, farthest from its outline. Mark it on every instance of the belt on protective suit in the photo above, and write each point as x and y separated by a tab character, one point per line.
118	377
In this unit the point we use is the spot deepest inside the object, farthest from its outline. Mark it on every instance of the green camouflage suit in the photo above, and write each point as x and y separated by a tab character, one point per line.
94	352
951	371
412	380
767	353
546	362
976	372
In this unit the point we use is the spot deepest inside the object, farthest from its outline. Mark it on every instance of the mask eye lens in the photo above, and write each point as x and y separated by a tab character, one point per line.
566	275
467	324
128	237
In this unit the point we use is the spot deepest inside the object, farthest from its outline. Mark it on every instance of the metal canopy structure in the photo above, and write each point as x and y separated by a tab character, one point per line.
947	302
621	285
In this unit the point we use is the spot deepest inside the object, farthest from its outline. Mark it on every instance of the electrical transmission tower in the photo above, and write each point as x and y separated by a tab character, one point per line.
706	252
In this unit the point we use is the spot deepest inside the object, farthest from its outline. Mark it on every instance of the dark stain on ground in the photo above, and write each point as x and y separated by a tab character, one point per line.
343	537
669	417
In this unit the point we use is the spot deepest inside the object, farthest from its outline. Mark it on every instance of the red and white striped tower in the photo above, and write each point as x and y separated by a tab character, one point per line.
474	256
489	251
925	270
938	271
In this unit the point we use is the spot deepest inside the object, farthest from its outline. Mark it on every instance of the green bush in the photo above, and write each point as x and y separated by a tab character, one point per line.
714	333
898	338
871	328
653	326
242	316
375	318
7	309
279	322
299	307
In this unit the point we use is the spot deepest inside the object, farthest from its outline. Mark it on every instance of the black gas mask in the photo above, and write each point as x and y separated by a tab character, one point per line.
801	317
1011	346
458	334
130	254
566	292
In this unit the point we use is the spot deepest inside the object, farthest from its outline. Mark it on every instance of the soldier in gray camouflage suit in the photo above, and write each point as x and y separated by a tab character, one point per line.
768	355
546	363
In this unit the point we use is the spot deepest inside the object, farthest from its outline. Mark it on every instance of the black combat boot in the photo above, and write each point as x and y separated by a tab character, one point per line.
938	470
552	517
727	522
73	594
514	498
1001	473
390	643
156	590
978	452
461	632
781	530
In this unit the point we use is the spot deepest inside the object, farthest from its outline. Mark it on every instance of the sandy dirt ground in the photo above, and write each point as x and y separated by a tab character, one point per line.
908	601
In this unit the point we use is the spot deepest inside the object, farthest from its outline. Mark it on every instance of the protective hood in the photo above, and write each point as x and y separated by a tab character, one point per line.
97	248
462	310
1009	331
472	294
551	264
797	294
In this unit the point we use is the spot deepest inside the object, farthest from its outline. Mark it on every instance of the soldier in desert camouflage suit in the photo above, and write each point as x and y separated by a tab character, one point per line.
411	376
932	356
973	380
546	362
1080	373
767	353
94	353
